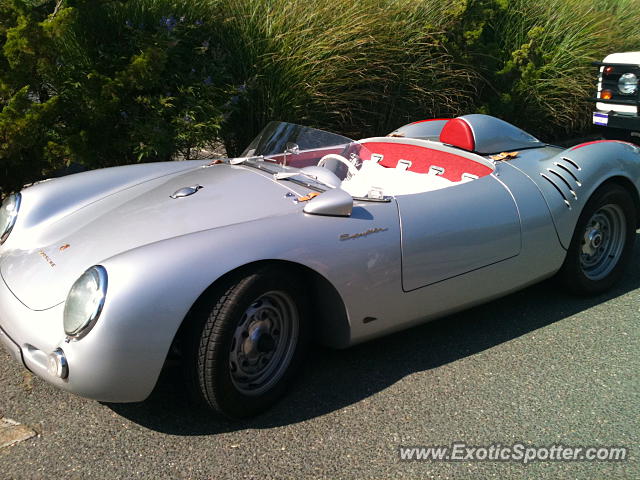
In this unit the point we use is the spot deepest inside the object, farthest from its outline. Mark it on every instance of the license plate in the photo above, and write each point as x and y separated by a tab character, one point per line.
600	119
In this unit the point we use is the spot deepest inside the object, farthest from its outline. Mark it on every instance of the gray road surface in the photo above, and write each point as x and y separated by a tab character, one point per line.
538	367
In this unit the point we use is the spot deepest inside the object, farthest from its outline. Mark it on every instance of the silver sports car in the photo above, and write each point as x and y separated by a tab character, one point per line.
236	265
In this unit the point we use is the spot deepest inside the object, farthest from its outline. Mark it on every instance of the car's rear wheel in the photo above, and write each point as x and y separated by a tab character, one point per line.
247	347
602	242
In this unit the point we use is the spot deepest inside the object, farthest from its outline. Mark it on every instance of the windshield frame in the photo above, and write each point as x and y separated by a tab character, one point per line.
290	148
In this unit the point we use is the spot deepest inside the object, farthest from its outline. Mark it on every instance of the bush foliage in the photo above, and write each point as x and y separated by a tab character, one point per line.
109	82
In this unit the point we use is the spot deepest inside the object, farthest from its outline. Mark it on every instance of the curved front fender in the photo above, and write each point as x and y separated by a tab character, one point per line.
152	288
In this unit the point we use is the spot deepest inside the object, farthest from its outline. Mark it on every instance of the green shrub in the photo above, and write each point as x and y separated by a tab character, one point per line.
104	83
355	67
544	52
108	82
28	147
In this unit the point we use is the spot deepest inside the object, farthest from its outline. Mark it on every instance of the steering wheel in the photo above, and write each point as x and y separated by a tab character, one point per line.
351	168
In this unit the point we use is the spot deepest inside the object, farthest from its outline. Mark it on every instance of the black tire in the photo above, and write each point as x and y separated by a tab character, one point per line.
597	256
230	342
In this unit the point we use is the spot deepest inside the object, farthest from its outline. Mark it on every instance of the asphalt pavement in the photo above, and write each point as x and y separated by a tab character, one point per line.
538	367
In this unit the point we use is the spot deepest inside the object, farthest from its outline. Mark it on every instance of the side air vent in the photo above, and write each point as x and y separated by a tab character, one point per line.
571	162
568	170
558	176
564	176
557	187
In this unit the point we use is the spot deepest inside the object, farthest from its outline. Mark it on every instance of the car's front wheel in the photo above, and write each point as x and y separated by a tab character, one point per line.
246	349
602	242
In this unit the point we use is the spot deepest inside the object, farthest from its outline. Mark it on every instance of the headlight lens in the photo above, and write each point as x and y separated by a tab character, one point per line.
85	302
8	215
628	84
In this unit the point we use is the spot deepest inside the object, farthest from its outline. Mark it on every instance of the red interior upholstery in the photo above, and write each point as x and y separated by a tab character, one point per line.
457	132
422	158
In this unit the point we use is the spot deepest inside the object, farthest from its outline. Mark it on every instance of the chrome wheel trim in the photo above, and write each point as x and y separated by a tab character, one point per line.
263	343
602	242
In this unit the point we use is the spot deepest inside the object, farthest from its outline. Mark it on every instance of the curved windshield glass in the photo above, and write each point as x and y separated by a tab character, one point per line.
294	145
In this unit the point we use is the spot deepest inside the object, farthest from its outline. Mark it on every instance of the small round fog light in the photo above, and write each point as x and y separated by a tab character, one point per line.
58	366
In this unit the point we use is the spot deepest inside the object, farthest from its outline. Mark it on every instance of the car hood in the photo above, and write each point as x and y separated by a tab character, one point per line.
59	252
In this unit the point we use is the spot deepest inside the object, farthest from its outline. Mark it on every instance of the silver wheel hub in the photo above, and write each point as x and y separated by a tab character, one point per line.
603	242
263	343
592	240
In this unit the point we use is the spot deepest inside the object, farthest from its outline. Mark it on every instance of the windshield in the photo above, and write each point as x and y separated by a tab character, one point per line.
294	145
278	137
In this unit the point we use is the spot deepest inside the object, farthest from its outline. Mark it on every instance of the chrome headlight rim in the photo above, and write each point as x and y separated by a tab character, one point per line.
628	84
17	201
87	325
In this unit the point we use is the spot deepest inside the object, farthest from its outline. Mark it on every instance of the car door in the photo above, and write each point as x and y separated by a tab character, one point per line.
456	230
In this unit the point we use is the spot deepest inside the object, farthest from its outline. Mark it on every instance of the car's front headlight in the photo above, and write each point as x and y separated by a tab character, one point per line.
628	84
8	215
85	302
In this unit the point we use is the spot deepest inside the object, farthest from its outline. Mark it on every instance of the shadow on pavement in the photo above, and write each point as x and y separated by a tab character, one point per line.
334	379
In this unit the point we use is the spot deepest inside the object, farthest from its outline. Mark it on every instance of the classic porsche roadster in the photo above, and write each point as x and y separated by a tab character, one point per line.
235	265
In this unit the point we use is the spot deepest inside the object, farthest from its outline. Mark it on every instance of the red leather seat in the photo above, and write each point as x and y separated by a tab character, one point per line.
458	133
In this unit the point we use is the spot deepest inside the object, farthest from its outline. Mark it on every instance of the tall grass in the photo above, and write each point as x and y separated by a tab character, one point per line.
366	67
547	50
358	68
621	23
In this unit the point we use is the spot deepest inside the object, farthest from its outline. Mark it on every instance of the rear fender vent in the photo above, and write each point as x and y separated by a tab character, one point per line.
564	177
556	175
558	189
571	162
571	173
